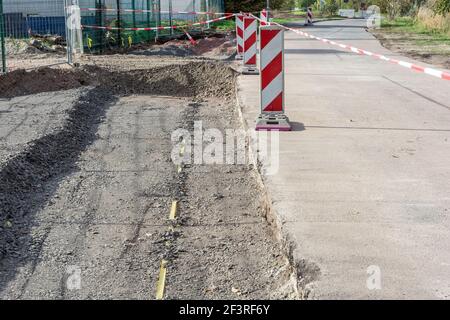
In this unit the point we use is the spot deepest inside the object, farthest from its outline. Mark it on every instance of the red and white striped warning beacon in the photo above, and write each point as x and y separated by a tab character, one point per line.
250	45
240	35
272	115
309	17
264	16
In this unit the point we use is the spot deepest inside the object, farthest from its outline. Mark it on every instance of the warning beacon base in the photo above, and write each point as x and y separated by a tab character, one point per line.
250	71
273	122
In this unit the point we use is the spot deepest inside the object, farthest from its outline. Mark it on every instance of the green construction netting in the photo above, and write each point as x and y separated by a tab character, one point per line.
140	14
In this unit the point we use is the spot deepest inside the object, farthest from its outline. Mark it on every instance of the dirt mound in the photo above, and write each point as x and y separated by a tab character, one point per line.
34	46
207	47
21	82
214	47
202	79
177	48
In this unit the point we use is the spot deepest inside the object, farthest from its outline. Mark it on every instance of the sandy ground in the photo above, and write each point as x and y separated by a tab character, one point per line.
88	186
221	46
409	45
22	55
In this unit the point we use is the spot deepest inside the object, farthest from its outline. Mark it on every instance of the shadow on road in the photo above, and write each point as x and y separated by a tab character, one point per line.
318	25
315	51
297	126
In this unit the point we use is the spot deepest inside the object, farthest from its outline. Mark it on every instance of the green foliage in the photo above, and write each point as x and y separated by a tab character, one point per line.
225	25
252	5
288	5
442	7
306	3
396	8
329	8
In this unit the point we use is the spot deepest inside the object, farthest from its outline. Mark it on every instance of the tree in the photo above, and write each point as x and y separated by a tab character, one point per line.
395	8
442	7
305	3
252	5
288	5
330	7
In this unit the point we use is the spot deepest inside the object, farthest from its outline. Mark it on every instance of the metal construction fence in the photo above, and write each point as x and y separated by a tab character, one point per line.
25	20
32	33
2	41
126	14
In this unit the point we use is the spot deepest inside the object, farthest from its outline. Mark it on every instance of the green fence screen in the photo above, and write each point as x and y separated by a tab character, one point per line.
139	14
20	19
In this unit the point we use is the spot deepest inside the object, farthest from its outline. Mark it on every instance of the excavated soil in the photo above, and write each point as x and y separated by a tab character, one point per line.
87	192
180	80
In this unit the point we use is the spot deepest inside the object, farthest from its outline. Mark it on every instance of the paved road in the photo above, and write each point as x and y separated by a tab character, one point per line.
366	181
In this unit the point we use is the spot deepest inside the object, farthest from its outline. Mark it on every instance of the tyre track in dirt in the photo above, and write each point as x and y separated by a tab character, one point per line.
92	204
23	127
31	177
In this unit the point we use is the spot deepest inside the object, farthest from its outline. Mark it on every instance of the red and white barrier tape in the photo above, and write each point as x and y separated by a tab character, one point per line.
155	11
193	42
429	71
159	28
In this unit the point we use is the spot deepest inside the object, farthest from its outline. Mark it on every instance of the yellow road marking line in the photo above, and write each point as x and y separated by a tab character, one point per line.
172	216
161	280
173	210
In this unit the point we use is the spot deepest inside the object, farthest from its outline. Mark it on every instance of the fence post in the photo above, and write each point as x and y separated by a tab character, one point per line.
2	38
171	17
133	7
99	22
194	16
149	18
208	17
158	18
119	24
74	38
69	34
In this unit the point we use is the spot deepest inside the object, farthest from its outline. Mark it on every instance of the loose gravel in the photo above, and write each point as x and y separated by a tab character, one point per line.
89	188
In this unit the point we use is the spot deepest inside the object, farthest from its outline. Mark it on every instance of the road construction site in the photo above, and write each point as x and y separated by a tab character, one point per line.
88	181
93	206
362	189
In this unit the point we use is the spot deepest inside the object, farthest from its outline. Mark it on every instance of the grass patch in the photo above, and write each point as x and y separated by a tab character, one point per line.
409	32
410	25
288	20
302	19
225	25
